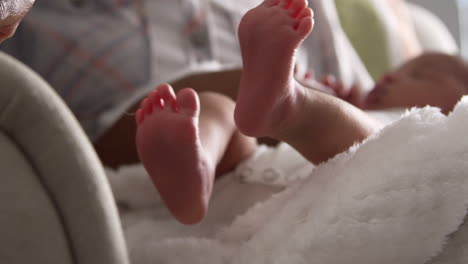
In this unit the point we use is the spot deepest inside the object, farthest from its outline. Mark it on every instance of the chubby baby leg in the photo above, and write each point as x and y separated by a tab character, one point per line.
272	103
269	36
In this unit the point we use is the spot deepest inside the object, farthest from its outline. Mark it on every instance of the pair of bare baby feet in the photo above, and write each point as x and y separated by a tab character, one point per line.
168	140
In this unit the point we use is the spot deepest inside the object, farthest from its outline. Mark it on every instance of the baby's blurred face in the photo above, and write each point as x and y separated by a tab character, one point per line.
11	14
426	80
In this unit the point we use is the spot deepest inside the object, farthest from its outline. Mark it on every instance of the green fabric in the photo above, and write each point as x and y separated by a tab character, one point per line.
366	31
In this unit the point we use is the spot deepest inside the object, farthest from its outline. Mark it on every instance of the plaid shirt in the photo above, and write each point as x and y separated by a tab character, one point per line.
101	55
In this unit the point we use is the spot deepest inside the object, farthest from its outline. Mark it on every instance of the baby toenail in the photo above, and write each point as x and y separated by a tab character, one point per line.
154	93
148	109
153	96
158	101
142	104
140	116
175	107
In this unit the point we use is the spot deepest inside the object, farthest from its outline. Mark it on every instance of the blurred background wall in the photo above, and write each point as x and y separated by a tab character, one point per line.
454	13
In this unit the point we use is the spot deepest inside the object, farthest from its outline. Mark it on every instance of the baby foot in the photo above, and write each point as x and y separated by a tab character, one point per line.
269	36
169	147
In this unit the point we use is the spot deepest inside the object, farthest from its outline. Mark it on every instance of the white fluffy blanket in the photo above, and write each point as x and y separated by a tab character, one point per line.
396	198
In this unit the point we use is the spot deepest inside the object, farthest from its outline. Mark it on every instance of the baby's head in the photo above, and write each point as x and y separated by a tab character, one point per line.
431	79
11	14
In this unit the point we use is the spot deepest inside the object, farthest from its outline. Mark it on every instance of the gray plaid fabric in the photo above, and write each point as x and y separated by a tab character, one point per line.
103	55
98	54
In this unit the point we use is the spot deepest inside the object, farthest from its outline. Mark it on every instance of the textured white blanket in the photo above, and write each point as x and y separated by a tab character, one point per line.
396	198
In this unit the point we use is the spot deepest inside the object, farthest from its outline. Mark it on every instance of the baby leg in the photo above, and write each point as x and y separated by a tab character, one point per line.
182	140
272	103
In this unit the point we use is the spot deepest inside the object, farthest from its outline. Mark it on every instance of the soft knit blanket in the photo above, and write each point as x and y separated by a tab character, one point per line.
399	197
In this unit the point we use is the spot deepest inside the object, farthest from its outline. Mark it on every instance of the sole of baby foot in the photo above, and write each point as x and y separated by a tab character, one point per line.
169	148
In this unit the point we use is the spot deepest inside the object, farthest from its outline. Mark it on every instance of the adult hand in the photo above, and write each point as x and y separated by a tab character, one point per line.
11	14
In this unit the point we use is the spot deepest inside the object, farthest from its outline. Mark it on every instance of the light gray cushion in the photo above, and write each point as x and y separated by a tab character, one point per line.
29	222
52	185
